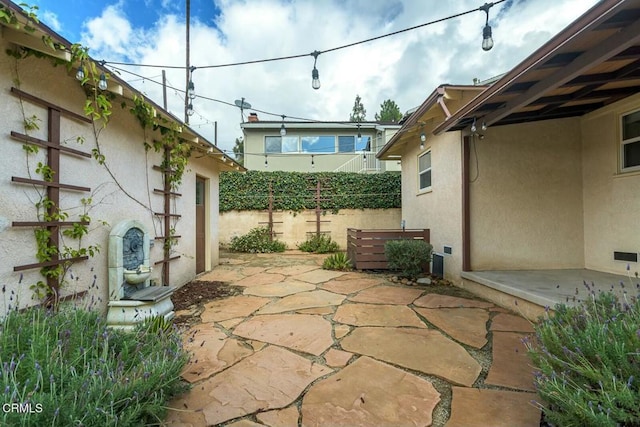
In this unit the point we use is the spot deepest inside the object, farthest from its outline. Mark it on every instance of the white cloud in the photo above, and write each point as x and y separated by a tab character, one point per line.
405	67
52	21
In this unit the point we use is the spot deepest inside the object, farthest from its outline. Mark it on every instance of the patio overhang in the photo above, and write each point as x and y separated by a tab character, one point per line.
592	63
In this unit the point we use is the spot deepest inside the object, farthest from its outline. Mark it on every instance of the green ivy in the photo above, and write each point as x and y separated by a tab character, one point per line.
295	191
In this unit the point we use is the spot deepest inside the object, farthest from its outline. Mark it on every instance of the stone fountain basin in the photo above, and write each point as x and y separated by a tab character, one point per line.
139	275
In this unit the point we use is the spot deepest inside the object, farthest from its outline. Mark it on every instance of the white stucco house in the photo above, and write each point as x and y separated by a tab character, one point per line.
531	185
316	146
61	171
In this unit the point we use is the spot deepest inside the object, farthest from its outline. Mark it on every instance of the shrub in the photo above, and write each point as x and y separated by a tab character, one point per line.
319	244
258	240
338	261
73	370
587	361
407	255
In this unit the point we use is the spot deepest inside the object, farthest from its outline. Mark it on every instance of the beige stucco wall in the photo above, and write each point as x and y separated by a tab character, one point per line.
121	143
295	228
526	197
440	209
611	199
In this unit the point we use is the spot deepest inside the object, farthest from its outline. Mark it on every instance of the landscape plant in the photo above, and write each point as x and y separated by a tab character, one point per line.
338	261
407	255
319	244
257	240
587	362
67	368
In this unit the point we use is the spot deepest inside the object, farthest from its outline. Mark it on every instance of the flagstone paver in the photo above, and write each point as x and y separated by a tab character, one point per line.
222	274
292	269
287	417
370	393
232	307
466	325
424	350
337	358
387	295
260	279
318	310
483	407
302	300
511	323
245	423
511	366
349	286
317	276
229	324
211	351
251	270
377	315
302	332
280	289
269	379
443	301
341	330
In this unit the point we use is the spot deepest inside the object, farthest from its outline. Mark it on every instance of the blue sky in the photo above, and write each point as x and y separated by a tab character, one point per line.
406	67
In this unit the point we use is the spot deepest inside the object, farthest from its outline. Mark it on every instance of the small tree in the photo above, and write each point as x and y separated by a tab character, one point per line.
238	150
389	112
358	113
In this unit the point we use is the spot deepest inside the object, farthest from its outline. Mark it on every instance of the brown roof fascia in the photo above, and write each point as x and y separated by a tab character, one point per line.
586	22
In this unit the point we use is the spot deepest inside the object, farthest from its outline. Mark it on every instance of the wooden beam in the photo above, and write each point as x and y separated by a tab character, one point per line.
605	50
35	43
67	113
42	143
47	223
49	184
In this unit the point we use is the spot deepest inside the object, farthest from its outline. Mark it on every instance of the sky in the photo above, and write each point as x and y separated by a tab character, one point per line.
405	68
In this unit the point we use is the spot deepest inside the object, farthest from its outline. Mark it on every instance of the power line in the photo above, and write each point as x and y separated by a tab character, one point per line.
486	6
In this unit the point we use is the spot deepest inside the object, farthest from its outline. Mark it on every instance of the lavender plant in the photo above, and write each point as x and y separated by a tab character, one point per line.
587	361
67	368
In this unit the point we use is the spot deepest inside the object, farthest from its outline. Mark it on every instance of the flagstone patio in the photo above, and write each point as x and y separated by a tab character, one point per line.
309	347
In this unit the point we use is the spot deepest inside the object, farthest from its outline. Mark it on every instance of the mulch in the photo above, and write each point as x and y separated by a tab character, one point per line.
195	294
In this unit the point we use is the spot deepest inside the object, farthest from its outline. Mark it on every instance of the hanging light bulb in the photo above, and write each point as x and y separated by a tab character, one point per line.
473	126
191	91
80	73
313	164
283	130
487	40
359	134
190	109
266	162
484	125
102	84
423	138
315	75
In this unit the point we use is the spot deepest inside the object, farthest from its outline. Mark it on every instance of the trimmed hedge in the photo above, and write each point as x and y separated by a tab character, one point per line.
292	191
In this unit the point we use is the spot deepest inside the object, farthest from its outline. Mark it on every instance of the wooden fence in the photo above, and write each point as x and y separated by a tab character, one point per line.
365	248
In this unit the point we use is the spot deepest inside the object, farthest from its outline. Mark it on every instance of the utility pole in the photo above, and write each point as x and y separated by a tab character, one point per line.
188	69
164	90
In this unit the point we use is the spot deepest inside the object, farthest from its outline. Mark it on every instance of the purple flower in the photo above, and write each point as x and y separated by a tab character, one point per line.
638	333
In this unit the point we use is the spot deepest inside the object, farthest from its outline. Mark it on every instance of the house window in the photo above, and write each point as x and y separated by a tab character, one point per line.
630	148
318	144
351	143
424	170
281	144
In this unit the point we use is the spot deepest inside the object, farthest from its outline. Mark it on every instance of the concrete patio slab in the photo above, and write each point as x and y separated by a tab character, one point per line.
482	407
302	300
387	295
511	323
370	393
511	366
317	276
269	379
301	332
280	289
349	286
466	325
423	350
287	417
232	307
377	315
447	301
260	279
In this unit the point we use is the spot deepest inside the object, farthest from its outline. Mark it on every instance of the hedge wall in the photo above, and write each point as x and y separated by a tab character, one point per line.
294	191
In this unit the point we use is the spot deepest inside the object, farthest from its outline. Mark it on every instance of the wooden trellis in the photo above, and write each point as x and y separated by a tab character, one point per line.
318	199
271	222
53	187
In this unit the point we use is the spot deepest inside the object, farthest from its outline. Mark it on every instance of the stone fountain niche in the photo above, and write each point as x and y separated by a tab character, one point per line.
132	298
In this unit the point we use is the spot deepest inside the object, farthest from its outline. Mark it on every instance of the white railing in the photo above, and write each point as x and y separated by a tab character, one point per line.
362	162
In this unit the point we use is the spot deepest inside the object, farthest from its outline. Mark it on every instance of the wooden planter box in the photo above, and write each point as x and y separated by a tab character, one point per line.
365	248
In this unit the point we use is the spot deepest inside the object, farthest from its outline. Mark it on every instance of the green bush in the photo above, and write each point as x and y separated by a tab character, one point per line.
587	361
291	190
319	244
338	261
75	371
258	240
407	255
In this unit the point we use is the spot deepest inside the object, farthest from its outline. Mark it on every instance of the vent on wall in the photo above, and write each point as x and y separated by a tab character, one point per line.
437	267
625	256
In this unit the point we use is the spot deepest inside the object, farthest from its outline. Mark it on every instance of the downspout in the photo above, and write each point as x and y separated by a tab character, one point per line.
466	211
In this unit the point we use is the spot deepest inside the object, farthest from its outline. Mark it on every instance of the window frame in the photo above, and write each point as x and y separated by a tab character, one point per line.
281	144
429	169
623	143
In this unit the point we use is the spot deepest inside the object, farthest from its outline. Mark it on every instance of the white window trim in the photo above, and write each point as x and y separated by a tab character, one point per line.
622	143
429	188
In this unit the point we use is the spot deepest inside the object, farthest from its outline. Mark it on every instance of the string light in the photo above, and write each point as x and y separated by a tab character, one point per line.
266	162
473	126
487	40
484	126
313	164
80	72
315	75
102	84
283	130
